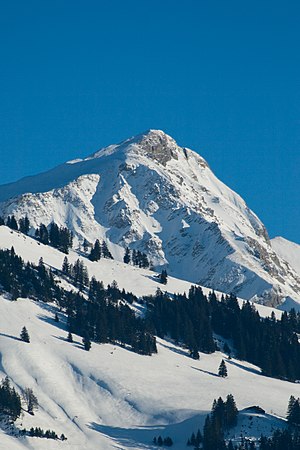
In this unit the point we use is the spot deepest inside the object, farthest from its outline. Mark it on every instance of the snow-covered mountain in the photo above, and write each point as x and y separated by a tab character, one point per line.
112	398
150	194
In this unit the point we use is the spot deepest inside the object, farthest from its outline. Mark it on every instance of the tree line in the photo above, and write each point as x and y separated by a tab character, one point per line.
104	316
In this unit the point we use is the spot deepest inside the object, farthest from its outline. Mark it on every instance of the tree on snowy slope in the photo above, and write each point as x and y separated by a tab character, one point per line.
96	252
24	225
25	335
42	234
222	369
60	238
10	401
66	266
30	400
12	223
127	257
163	278
105	252
293	413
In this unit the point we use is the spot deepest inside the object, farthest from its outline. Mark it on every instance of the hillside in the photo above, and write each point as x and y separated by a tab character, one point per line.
138	281
149	194
113	398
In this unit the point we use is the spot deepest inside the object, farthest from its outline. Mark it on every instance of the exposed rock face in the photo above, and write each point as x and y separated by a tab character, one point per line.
150	194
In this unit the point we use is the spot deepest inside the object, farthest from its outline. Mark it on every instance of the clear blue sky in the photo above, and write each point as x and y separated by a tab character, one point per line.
222	77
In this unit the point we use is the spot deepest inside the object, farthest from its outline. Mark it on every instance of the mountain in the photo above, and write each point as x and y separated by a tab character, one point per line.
150	194
111	397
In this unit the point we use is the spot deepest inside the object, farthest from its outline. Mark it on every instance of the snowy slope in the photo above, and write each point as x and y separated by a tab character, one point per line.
138	281
287	250
113	398
150	194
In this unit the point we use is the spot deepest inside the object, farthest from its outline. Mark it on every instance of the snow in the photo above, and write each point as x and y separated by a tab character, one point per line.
289	251
113	398
152	195
138	281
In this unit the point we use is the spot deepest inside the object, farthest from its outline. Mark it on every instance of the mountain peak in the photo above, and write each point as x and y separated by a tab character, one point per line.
156	144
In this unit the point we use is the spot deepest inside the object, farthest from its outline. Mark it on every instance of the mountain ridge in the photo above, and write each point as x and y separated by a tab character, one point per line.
152	195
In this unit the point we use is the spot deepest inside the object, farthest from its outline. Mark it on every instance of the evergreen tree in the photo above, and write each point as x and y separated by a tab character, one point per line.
66	266
96	251
134	258
105	252
231	412
293	415
10	401
127	258
24	225
30	400
42	234
159	441
12	223
25	335
222	372
163	277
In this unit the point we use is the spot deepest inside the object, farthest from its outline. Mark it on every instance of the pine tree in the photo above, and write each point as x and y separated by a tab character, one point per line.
291	404
163	277
159	441
42	234
105	252
24	225
25	335
222	369
96	252
66	266
30	400
231	412
12	223
294	411
127	258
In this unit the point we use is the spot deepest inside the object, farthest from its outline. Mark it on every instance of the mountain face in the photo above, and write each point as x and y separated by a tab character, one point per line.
287	250
152	195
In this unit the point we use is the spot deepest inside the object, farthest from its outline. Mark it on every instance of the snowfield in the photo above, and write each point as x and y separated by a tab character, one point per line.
112	398
288	250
